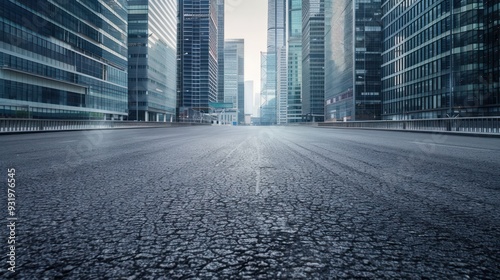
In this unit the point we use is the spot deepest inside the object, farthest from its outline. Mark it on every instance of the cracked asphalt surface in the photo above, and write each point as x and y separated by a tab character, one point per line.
253	203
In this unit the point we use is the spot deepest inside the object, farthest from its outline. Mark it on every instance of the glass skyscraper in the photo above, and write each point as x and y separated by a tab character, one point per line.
492	51
63	59
294	61
197	57
441	59
352	60
276	22
220	46
152	59
282	85
268	86
234	72
313	60
275	60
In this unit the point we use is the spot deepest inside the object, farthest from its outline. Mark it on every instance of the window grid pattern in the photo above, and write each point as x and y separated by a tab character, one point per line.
73	62
436	59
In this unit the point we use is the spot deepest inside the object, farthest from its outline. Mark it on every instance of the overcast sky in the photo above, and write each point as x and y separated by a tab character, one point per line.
247	19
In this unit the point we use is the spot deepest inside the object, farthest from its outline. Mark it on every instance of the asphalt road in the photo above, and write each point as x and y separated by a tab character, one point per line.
252	203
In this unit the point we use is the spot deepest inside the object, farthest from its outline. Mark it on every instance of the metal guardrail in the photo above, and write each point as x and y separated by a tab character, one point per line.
488	125
27	125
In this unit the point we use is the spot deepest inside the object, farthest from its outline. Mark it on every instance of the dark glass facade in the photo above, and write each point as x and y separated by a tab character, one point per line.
313	61
440	59
339	62
61	64
294	113
152	59
220	46
353	60
197	56
491	78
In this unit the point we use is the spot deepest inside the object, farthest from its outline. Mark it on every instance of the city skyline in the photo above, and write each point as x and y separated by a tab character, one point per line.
129	151
248	20
416	62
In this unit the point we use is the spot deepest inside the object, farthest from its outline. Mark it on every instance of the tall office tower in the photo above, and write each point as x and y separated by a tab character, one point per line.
313	63
268	88
294	113
220	52
352	60
197	51
234	80
276	84
492	54
282	85
438	59
63	59
276	22
152	48
267	106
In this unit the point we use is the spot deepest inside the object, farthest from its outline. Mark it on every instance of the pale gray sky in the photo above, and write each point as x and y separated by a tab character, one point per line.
247	19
